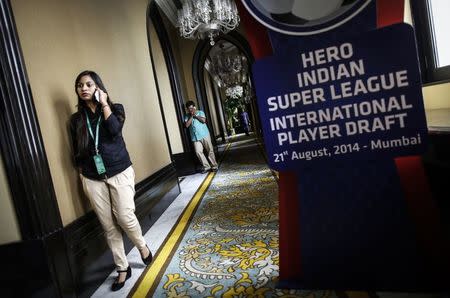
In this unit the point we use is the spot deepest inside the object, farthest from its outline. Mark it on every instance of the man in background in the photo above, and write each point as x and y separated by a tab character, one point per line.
245	121
195	120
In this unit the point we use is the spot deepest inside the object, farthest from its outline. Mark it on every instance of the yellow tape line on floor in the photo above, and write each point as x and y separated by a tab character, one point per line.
357	294
148	279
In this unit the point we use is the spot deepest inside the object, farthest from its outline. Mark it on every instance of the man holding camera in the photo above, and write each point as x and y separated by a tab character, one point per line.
195	120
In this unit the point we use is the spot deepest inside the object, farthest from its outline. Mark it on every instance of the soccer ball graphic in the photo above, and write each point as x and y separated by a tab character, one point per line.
302	12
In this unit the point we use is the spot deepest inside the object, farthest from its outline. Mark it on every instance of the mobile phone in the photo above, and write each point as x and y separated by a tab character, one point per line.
97	95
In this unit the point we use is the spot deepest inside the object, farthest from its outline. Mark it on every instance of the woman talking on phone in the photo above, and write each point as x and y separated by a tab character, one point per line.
105	169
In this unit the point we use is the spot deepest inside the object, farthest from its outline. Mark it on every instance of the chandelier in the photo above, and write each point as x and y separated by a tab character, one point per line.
207	18
229	69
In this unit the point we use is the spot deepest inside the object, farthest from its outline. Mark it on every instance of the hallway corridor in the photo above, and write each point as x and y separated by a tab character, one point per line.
231	245
331	133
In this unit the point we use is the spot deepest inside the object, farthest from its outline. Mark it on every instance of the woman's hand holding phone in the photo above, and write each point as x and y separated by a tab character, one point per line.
101	97
96	95
103	100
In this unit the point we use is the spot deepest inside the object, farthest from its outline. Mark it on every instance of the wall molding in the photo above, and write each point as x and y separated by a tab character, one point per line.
186	163
152	189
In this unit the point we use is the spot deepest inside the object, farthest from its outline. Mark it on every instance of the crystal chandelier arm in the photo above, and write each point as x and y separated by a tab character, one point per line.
202	18
187	21
189	31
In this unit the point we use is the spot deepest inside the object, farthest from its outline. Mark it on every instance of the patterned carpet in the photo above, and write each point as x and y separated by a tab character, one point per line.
230	248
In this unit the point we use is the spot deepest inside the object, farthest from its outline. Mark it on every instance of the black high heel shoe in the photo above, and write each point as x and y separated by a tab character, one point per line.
149	258
119	285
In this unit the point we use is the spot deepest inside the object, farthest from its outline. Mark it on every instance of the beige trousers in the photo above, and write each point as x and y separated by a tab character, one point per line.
113	201
206	144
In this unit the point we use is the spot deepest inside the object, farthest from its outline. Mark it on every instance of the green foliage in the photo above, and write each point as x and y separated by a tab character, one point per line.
231	107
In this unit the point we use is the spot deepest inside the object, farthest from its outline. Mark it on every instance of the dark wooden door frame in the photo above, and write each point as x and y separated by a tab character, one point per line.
219	112
155	16
26	164
200	55
185	162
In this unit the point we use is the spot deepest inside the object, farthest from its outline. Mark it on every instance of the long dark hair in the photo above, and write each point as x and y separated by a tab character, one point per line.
82	136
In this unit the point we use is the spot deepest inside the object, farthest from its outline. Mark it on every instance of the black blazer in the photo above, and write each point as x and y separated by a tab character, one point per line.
111	144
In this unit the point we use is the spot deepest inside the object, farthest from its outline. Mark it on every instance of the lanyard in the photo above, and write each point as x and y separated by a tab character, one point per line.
96	130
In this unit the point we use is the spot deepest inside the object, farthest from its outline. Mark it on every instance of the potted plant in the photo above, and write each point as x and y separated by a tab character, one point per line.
232	103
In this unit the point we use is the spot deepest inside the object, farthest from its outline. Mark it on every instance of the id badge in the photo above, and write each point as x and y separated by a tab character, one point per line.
98	160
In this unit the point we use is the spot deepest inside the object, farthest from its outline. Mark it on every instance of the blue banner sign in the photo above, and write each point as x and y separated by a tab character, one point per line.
356	98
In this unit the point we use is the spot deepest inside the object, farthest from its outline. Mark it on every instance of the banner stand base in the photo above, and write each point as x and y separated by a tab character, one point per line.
294	284
436	287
